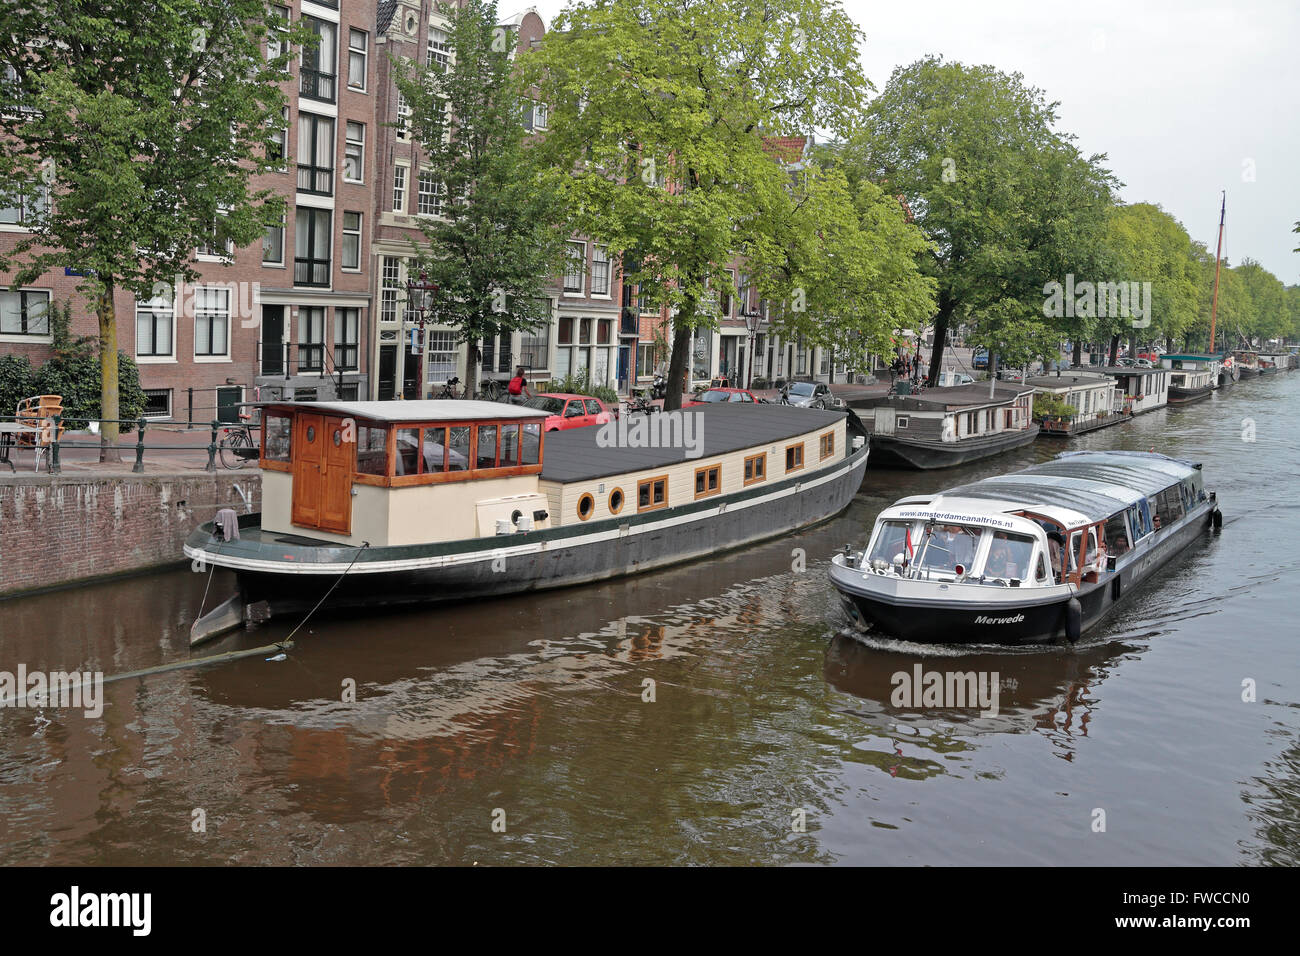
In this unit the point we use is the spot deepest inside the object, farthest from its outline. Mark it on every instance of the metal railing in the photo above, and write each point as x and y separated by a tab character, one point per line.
48	440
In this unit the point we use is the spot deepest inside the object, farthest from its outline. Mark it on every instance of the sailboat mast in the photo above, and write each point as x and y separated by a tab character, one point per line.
1214	304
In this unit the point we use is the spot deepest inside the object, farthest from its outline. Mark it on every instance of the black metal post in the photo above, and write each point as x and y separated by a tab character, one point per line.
55	467
212	447
189	422
139	448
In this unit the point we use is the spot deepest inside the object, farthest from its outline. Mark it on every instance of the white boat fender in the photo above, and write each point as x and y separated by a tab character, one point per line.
503	526
1073	619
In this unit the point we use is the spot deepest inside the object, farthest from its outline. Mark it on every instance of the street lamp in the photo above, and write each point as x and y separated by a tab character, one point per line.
420	295
753	318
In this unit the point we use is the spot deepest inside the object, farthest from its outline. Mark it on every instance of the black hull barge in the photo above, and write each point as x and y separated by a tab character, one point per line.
1031	557
485	511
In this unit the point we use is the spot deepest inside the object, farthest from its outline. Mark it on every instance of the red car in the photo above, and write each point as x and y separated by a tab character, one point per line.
730	395
569	411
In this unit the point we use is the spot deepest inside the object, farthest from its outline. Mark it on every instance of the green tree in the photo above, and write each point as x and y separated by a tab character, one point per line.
1146	244
666	112
502	229
1268	315
1009	203
133	135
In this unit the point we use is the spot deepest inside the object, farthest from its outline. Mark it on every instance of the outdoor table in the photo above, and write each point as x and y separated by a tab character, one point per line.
9	431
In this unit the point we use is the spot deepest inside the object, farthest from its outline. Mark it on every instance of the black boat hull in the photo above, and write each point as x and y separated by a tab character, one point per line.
1185	396
893	452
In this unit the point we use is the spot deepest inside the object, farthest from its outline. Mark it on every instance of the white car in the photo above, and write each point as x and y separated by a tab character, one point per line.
952	377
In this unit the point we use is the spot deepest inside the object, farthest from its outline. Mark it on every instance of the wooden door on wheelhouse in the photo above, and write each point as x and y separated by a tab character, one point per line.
323	460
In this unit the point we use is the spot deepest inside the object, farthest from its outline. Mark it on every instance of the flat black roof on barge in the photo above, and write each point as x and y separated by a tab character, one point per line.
575	454
954	396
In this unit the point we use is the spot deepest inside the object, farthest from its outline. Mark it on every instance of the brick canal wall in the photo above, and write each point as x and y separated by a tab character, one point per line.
65	529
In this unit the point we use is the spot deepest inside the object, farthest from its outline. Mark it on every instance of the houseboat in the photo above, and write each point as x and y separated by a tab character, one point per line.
1279	361
1143	389
1028	557
373	504
942	427
1190	385
1093	397
1221	368
1247	363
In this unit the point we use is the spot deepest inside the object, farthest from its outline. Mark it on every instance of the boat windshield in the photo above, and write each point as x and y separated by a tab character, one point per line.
949	546
891	540
1009	556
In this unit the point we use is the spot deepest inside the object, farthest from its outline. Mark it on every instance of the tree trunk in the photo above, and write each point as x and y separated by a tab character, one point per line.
108	380
682	335
1114	350
1077	358
941	321
473	360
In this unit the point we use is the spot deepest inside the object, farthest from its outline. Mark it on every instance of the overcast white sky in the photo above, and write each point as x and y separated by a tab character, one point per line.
1187	98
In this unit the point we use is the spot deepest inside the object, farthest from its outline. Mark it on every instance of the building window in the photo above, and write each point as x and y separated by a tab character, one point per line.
599	270
390	286
358	43
315	154
403	118
794	457
211	322
215	248
279	28
154	321
652	494
646	359
429	197
311	242
273	245
534	349
346	341
708	481
351	252
25	206
311	338
536	116
827	445
157	403
399	189
354	153
574	266
442	354
725	301
24	313
438	51
277	150
319	70
755	469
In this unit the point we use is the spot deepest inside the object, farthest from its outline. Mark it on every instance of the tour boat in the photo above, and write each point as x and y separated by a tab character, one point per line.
1027	557
1094	398
942	427
371	504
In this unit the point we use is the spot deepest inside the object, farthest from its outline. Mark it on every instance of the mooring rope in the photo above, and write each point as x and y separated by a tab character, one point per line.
364	545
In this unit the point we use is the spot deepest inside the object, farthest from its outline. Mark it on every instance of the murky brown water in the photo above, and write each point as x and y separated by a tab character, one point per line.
765	712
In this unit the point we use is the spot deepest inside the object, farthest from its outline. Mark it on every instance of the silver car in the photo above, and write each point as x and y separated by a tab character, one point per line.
810	395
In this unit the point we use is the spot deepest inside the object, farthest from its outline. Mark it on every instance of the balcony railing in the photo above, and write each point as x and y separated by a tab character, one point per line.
311	272
275	359
316	84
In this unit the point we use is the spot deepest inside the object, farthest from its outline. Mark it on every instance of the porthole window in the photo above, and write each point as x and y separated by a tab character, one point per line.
586	505
616	501
311	432
338	437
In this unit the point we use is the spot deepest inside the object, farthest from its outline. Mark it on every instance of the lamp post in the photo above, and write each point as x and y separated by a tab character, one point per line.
753	318
419	298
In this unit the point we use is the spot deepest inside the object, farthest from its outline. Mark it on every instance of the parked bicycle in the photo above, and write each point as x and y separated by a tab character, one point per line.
640	403
492	391
449	388
239	445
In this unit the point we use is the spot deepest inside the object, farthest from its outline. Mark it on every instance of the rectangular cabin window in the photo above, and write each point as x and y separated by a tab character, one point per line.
433	460
755	469
487	446
532	444
372	450
972	422
509	446
652	494
901	422
458	451
708	481
408	452
794	457
279	429
1117	542
827	445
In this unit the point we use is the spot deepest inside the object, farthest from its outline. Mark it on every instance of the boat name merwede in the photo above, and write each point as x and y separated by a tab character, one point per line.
56	689
665	430
950	689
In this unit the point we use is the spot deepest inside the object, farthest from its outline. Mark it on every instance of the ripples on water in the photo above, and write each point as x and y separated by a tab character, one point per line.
766	711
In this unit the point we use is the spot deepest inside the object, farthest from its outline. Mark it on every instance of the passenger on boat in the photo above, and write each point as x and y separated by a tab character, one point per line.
1055	547
958	547
999	563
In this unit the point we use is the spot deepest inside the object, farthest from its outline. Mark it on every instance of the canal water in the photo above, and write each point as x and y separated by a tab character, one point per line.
716	713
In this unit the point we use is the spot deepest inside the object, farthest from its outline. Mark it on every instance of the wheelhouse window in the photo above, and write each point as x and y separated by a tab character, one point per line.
372	450
708	481
891	540
278	429
652	494
948	547
1010	556
755	469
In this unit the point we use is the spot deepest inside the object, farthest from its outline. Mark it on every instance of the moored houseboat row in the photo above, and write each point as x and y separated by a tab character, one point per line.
1095	401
